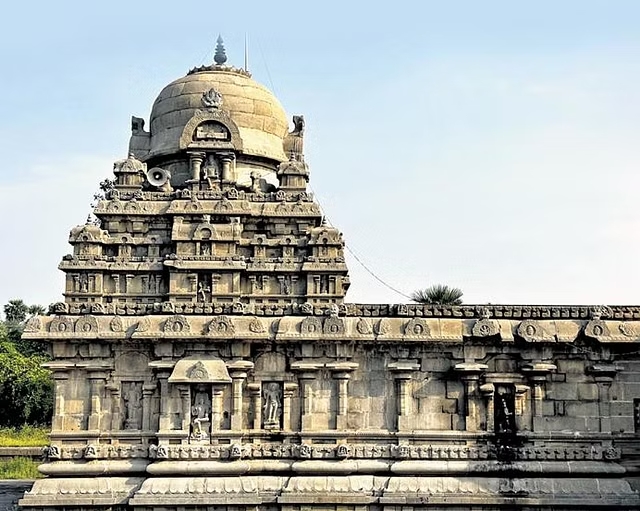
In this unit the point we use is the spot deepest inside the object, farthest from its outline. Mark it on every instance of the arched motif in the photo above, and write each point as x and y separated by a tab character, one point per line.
364	326
417	327
176	325
221	325
61	325
86	325
333	326
485	328
189	138
596	329
310	326
116	324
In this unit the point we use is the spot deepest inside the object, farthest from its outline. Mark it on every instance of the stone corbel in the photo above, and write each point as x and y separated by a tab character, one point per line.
403	371
470	373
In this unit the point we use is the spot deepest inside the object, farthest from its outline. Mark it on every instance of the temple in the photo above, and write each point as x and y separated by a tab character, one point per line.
205	358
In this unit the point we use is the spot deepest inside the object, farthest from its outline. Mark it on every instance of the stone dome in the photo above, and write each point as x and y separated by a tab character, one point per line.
260	119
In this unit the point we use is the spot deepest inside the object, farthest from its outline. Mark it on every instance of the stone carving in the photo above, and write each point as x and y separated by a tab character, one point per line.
304	451
235	451
485	328
90	452
52	452
116	324
343	451
333	325
530	331
416	327
200	413
97	308
600	311
256	326
272	408
306	308
212	98
310	326
364	326
162	452
87	324
132	397
61	325
382	328
144	325
198	372
33	325
60	308
627	329
221	325
176	325
596	329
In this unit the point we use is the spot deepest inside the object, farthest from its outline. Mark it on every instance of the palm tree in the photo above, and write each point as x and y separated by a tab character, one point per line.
439	294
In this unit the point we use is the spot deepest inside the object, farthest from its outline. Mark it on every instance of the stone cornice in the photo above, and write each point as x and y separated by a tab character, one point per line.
314	328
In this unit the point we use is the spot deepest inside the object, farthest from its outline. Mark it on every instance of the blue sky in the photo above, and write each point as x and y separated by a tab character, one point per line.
487	145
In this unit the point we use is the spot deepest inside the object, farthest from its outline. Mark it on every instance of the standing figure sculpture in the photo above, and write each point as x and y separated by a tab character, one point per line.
133	408
272	409
200	414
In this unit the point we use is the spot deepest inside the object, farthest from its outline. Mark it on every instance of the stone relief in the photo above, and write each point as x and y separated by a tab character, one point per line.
176	325
310	326
87	324
416	327
132	405
200	413
272	408
221	325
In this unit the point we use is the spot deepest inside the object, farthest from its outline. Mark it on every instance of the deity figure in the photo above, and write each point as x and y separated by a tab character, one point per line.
203	289
272	408
200	414
504	411
133	408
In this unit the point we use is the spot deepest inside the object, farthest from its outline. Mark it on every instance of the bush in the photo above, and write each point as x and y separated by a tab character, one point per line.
19	468
26	436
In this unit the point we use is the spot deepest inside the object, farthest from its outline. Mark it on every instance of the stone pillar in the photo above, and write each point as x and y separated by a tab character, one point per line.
237	378
402	373
307	375
216	408
147	394
470	374
342	373
185	399
116	412
288	392
604	375
537	373
195	160
96	384
228	172
487	391
60	388
256	396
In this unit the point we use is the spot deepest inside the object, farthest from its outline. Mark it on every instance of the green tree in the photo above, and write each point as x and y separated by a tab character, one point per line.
16	311
439	294
26	388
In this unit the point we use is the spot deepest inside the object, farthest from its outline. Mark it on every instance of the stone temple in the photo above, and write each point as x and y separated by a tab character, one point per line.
205	358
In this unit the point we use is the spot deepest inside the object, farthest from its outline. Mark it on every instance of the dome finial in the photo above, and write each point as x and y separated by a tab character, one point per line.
220	56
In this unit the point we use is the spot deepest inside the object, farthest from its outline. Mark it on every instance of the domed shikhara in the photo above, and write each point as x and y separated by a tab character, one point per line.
255	113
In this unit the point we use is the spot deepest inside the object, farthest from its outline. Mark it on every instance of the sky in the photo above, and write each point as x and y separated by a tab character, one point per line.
492	146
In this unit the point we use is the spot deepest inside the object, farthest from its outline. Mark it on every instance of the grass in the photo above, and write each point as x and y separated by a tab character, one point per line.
25	436
19	468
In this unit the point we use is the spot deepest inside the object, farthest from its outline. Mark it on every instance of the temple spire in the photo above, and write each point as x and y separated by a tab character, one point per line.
220	56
